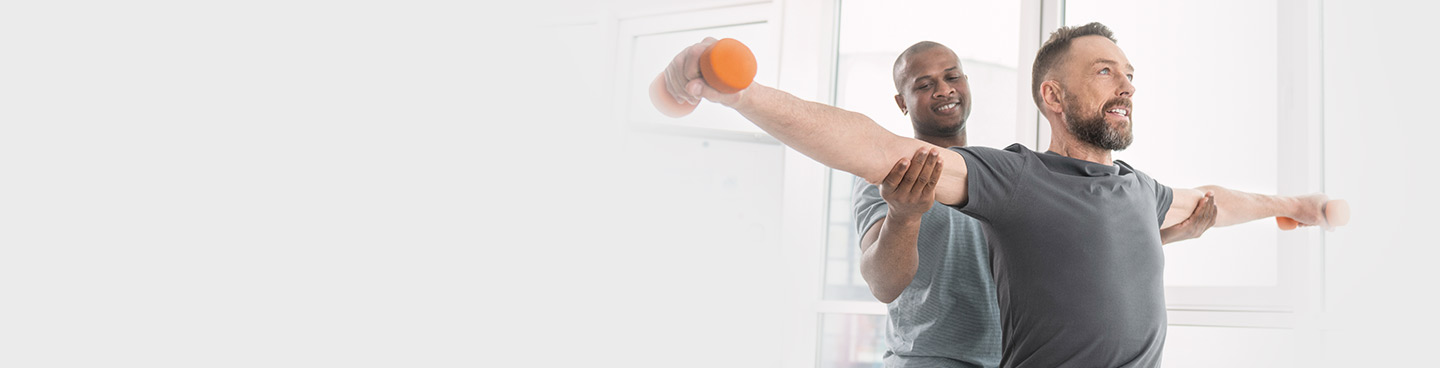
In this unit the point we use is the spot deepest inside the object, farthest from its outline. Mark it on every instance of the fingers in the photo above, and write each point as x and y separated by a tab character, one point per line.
897	173
1314	213
1207	212
920	160
1201	219
914	173
927	171
696	89
683	69
909	187
690	68
675	77
934	178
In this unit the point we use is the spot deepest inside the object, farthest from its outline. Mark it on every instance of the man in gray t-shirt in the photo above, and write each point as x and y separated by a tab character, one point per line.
1077	310
1100	296
931	264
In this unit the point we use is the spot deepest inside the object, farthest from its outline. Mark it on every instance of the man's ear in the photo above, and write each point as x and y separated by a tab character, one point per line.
900	102
1051	94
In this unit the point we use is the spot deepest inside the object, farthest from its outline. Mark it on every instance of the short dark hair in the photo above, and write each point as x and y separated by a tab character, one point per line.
917	48
1053	53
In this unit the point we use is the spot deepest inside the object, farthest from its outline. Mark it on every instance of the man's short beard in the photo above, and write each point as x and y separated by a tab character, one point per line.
1095	130
937	130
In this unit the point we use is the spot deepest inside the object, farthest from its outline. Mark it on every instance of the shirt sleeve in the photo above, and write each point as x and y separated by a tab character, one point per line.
869	207
991	180
1164	196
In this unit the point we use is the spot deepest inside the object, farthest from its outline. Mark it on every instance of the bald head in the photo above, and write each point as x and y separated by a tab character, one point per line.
903	60
932	89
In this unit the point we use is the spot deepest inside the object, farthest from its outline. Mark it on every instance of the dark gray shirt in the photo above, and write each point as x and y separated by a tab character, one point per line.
947	317
1075	249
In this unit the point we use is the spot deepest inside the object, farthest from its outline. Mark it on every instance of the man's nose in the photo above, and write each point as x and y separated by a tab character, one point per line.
944	90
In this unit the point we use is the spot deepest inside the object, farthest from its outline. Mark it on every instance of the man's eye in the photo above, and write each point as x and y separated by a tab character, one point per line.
923	86
1131	77
1105	71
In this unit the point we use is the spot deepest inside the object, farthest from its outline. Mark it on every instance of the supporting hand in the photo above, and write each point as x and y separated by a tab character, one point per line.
909	189
1200	220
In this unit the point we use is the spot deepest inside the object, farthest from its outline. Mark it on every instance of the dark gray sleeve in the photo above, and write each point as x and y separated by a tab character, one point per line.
1164	196
868	205
991	180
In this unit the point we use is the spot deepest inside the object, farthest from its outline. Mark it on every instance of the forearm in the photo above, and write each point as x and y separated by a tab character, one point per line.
844	140
891	261
1236	207
1171	235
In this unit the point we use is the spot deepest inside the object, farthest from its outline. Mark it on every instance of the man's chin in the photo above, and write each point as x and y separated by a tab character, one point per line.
945	127
1118	122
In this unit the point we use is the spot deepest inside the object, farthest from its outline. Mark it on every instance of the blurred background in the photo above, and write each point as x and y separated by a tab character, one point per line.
435	183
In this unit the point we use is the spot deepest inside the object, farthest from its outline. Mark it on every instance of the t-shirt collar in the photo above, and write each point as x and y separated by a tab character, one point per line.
1073	166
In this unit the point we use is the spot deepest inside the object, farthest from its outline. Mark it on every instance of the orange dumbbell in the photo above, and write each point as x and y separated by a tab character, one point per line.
1337	213
727	66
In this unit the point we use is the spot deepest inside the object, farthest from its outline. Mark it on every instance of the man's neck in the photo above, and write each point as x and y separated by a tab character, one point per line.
956	140
1067	146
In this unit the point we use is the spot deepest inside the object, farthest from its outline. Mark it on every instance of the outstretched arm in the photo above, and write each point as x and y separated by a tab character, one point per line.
1236	207
844	140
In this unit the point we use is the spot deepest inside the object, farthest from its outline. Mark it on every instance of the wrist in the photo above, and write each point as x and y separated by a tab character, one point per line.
738	100
901	218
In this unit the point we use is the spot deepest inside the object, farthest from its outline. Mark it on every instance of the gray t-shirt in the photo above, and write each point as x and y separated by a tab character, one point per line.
947	316
1075	248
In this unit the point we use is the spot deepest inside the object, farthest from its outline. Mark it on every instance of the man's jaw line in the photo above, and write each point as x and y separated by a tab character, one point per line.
941	134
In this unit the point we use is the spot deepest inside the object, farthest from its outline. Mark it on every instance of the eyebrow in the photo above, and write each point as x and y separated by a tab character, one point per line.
1113	62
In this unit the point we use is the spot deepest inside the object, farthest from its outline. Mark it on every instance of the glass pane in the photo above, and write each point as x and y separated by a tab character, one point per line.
842	245
984	34
1199	84
852	340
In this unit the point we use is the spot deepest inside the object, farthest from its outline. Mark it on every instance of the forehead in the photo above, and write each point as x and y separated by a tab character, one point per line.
1084	51
934	60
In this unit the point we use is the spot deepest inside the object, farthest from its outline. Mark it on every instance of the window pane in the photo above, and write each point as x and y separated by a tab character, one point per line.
852	341
984	34
1206	77
842	245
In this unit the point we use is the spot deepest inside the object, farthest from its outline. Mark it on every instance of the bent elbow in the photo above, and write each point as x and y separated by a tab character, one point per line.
884	296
